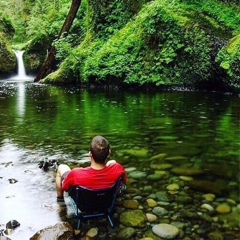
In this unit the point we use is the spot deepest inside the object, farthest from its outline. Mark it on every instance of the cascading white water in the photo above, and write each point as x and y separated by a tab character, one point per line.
21	67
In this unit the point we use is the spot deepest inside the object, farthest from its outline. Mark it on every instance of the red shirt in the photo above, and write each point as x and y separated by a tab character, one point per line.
94	179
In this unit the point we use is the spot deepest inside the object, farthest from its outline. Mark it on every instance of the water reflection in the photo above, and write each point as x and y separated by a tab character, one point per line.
158	133
21	100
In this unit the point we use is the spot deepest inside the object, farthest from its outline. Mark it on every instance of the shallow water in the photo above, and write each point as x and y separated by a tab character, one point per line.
193	130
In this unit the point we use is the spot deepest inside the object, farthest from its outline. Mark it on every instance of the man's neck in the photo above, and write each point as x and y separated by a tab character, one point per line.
97	166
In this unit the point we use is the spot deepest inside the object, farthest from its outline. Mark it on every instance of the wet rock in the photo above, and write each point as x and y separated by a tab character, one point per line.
12	224
224	172
159	211
231	202
167	138
159	157
208	207
151	217
223	208
187	171
186	178
231	218
217	188
151	203
162	196
62	230
92	233
137	175
136	152
162	174
131	204
154	177
126	233
135	218
160	166
209	197
173	187
165	231
12	180
130	169
215	236
185	150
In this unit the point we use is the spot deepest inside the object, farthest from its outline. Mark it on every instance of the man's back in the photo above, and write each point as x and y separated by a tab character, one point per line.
94	179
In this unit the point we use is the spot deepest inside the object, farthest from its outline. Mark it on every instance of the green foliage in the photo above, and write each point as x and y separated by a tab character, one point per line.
6	26
222	17
153	48
229	59
45	19
109	16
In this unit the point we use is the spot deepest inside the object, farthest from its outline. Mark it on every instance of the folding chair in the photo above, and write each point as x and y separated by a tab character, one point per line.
91	204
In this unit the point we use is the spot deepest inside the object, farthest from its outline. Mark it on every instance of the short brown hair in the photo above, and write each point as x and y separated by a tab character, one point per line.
99	149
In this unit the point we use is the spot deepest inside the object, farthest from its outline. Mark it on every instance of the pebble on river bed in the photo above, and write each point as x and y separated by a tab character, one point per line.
209	197
207	207
223	208
151	203
173	187
165	231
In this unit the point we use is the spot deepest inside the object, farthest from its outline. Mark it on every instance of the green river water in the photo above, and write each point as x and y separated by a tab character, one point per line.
183	137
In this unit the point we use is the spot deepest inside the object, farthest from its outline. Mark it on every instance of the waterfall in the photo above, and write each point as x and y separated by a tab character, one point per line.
21	68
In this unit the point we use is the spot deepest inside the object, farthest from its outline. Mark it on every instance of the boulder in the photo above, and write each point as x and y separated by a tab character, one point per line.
59	231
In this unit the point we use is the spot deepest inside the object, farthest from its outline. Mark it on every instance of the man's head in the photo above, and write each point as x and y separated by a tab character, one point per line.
99	149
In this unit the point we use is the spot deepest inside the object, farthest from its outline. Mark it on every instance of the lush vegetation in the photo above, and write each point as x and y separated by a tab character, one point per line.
8	60
165	43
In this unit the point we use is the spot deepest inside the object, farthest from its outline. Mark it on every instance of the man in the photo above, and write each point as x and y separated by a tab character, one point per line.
99	175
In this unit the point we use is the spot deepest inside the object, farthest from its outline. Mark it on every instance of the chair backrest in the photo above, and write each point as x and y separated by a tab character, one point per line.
90	201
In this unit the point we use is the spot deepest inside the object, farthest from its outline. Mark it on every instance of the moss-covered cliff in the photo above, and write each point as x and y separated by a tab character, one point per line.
8	63
160	43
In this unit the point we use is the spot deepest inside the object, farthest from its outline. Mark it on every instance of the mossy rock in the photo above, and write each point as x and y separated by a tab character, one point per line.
36	52
8	63
135	218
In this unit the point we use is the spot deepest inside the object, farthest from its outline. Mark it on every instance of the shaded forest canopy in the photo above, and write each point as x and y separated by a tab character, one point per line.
163	43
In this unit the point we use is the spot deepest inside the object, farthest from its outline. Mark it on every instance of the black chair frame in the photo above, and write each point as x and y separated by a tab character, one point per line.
91	204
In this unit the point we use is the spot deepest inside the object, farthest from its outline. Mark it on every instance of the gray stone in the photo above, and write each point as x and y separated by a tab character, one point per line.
165	231
159	211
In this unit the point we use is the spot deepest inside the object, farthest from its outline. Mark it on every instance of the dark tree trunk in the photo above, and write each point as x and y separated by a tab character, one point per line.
48	64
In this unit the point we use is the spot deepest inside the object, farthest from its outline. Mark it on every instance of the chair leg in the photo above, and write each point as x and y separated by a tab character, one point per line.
79	224
110	221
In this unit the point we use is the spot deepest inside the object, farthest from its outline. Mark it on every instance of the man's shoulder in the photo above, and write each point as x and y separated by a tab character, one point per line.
80	169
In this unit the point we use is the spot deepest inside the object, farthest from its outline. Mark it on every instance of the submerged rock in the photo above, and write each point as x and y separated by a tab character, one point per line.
165	231
217	188
135	218
223	208
126	233
187	171
137	175
62	230
12	224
